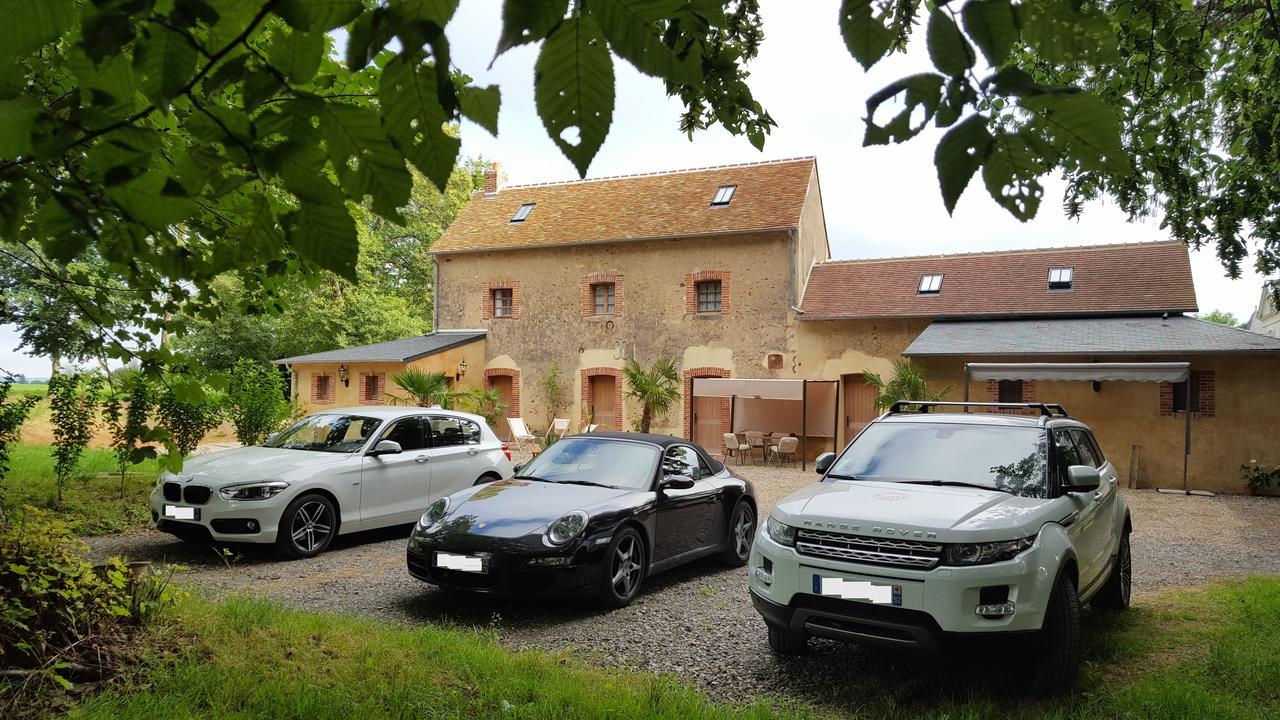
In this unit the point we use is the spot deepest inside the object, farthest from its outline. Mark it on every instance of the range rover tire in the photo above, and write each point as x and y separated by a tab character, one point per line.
1115	593
741	533
785	641
623	568
307	526
1057	654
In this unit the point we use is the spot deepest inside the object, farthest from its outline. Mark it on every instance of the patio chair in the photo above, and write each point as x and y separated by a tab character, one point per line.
560	426
519	432
785	450
591	428
732	448
755	439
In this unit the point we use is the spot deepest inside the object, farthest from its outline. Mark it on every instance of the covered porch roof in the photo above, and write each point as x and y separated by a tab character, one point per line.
405	350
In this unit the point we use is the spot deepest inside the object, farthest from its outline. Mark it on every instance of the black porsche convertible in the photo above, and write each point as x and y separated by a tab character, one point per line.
595	513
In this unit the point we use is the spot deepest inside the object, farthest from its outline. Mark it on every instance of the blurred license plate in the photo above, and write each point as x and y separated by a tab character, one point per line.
177	512
858	590
461	563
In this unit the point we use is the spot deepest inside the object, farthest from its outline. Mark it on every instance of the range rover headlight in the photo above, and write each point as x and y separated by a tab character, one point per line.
780	532
435	513
567	528
253	491
983	553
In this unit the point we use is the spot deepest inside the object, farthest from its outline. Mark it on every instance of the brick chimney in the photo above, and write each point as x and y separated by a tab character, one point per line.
491	180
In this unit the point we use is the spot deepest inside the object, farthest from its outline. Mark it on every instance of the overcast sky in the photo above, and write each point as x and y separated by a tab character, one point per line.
880	201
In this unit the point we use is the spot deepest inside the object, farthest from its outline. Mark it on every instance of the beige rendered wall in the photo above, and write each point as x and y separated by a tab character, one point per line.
1245	425
446	361
811	245
550	327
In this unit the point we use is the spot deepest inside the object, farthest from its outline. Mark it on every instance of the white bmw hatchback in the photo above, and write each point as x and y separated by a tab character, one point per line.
335	472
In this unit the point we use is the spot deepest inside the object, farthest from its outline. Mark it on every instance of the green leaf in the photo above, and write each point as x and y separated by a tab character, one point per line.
150	199
433	12
105	34
297	54
30	24
573	89
369	34
864	34
526	22
325	235
414	120
992	26
633	33
480	106
1059	33
318	15
958	156
16	118
948	49
922	91
366	162
165	60
1082	126
1013	82
1011	175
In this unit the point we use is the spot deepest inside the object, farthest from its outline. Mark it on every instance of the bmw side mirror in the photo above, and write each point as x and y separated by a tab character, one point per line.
1081	478
823	463
387	447
676	482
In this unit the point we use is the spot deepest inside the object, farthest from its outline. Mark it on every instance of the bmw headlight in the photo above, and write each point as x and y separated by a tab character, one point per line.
567	528
983	553
780	532
253	491
435	513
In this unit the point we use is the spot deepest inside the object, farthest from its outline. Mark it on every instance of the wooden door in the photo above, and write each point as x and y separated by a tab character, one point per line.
503	384
603	389
859	404
707	432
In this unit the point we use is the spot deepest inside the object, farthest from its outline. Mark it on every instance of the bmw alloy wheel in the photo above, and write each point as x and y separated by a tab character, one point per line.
311	526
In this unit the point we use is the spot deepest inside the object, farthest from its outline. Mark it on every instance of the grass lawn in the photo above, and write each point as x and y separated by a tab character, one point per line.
1211	652
94	505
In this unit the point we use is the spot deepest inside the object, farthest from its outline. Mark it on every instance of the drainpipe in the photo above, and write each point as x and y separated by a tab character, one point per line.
435	294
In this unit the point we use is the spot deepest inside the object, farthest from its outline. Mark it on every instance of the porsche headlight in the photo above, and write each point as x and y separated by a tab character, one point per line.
435	513
780	532
567	528
983	553
253	491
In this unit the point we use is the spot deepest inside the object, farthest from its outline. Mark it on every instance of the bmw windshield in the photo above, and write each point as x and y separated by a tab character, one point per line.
1009	459
620	464
326	433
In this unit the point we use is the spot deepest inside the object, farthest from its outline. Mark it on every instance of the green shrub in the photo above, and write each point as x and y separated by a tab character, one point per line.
255	401
73	401
1257	476
12	414
188	415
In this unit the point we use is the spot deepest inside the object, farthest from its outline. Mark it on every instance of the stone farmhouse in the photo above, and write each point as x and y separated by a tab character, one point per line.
728	270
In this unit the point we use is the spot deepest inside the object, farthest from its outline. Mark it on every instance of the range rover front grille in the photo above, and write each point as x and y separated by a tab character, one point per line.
872	551
196	494
172	491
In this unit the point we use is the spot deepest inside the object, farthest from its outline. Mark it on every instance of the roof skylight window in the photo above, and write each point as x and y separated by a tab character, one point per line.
724	194
930	285
522	213
1060	278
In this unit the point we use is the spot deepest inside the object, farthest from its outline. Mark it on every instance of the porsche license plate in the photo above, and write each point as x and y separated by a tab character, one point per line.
462	563
178	512
857	590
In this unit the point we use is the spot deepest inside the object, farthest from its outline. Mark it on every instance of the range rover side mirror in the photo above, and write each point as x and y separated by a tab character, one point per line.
516	468
386	447
1081	478
823	463
676	482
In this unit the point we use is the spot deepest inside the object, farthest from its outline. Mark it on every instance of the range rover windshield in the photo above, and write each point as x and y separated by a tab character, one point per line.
1002	458
326	433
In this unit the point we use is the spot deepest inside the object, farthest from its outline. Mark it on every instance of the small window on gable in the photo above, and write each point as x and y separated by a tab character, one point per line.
522	213
1060	278
724	194
930	284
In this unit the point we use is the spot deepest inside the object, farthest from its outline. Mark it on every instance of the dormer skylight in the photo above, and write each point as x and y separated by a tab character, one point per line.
522	213
723	195
1060	278
930	285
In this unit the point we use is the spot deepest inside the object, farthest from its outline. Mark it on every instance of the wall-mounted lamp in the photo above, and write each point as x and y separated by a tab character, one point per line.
462	369
342	375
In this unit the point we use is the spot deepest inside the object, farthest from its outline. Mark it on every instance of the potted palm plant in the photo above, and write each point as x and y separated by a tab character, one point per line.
656	387
427	388
908	383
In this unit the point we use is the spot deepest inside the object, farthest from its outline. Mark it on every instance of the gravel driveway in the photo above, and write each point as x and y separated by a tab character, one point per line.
697	622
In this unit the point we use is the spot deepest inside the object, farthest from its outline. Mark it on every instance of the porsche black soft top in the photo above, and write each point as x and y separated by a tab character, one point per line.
663	441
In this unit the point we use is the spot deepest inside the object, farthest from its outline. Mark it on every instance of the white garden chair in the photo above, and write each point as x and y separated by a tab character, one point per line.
560	426
520	432
591	428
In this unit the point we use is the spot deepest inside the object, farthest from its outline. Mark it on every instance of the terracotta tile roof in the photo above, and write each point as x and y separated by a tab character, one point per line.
668	204
1107	280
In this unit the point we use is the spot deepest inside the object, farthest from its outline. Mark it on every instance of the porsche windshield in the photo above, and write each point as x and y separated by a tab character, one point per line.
1001	458
613	463
326	433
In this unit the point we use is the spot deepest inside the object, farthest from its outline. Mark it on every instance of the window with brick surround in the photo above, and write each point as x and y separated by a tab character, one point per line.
502	302
371	387
1197	395
322	388
604	298
709	296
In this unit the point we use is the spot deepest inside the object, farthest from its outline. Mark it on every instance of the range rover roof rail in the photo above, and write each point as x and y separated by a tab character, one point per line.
924	406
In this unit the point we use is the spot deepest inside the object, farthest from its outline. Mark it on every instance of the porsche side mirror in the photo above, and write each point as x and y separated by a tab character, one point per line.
1081	478
386	447
823	463
676	482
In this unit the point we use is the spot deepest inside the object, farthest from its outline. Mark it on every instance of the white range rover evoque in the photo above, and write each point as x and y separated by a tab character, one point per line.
335	472
934	530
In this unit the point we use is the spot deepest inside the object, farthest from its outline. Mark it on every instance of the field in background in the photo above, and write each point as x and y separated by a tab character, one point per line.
93	500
